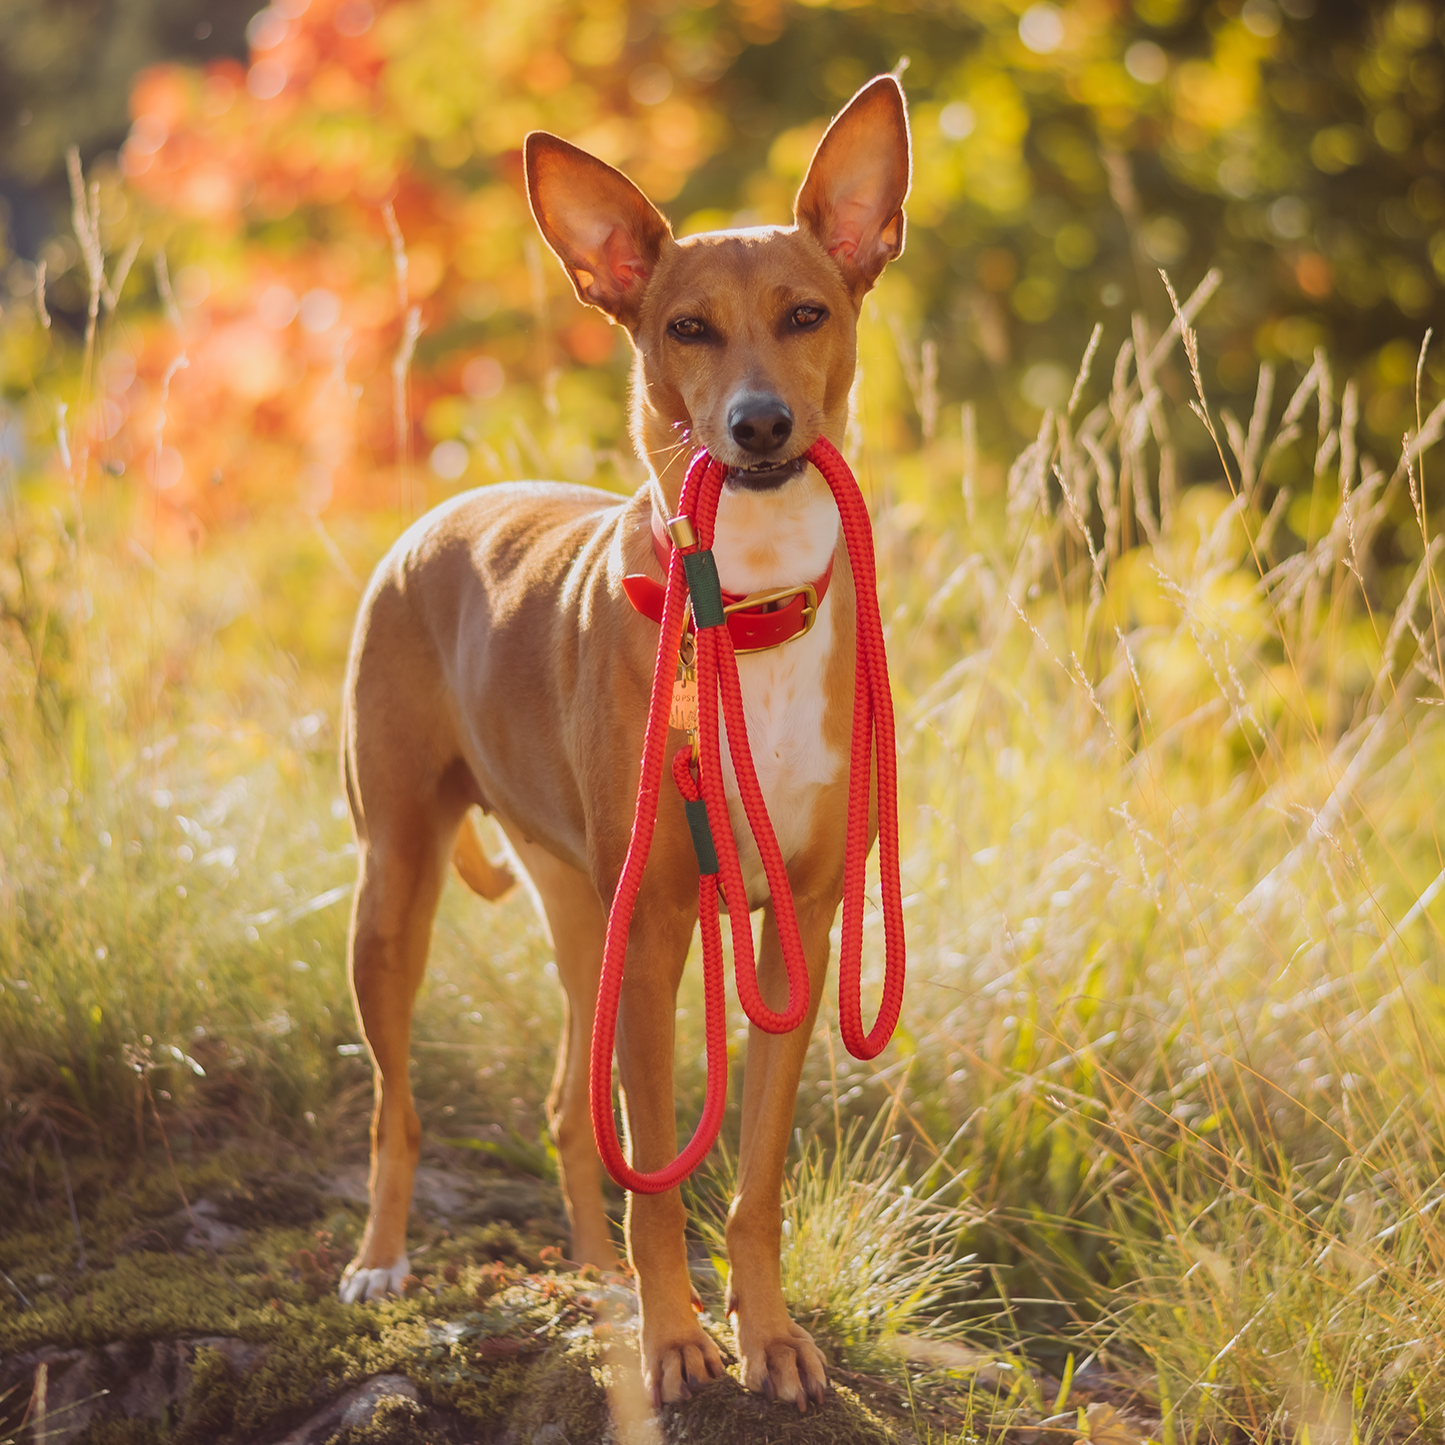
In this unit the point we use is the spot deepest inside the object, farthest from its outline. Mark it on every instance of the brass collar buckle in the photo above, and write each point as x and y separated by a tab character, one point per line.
775	599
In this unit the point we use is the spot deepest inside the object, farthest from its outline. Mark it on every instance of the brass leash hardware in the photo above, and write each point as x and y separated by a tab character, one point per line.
683	713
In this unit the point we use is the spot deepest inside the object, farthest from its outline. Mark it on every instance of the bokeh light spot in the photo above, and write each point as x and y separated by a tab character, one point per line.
276	306
1146	62
1041	28
267	29
1289	217
449	460
266	79
650	84
1260	17
354	17
1046	385
483	378
192	285
147	135
320	310
166	470
956	120
1164	239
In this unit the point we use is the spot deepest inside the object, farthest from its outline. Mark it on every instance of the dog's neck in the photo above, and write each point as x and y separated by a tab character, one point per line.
774	539
771	539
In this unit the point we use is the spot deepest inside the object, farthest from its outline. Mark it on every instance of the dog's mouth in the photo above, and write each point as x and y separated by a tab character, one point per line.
766	476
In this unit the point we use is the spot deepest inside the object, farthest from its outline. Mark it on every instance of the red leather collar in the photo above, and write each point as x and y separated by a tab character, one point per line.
756	621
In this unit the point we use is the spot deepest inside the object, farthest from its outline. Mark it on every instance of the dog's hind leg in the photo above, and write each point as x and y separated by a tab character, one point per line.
403	864
574	917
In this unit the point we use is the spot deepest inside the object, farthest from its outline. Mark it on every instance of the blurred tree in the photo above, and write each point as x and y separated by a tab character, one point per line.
66	68
1064	153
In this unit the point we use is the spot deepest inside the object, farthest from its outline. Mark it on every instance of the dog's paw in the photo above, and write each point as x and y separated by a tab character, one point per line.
364	1284
783	1364
674	1368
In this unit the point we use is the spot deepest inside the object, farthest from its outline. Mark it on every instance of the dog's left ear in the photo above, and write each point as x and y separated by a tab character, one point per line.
852	200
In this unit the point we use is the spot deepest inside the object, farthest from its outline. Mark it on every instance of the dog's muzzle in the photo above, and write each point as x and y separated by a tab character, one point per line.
766	476
761	424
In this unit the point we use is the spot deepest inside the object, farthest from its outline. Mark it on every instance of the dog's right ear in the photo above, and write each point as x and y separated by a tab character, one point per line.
607	234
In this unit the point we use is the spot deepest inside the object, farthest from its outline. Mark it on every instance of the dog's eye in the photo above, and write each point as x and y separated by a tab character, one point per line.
806	316
688	328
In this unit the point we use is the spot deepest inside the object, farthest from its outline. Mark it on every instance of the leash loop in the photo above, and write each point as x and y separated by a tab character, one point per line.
692	568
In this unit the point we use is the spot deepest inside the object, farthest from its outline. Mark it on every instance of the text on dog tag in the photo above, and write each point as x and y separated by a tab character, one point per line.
683	714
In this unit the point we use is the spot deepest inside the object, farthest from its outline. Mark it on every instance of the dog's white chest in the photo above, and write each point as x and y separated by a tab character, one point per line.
783	705
783	689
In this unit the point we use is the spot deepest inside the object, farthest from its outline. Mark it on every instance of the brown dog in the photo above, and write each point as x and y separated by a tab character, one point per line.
497	663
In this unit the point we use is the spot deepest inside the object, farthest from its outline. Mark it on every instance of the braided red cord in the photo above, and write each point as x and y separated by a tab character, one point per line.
872	719
717	673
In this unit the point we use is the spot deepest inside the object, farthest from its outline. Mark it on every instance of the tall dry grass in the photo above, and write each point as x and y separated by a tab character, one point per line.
1170	698
1175	909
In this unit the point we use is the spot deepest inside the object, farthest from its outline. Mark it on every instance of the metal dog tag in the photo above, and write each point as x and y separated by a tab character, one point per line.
683	715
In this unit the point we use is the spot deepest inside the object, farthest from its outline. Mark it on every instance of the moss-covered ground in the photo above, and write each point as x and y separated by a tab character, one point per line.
230	1264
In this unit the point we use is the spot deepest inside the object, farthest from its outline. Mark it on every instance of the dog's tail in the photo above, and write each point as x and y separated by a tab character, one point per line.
479	873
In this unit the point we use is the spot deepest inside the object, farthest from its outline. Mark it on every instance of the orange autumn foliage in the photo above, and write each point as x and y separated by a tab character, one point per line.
266	187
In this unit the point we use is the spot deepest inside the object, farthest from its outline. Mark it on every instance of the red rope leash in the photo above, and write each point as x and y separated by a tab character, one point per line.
717	677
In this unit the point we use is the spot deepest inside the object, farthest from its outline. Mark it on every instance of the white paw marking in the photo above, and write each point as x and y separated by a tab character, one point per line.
365	1284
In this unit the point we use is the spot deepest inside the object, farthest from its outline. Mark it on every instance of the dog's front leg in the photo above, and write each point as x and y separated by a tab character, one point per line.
677	1356
779	1358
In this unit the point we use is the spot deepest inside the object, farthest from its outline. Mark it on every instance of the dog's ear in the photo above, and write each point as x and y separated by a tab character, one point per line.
852	200
607	234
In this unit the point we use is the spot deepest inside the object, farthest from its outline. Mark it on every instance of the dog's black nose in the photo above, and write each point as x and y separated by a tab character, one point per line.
760	422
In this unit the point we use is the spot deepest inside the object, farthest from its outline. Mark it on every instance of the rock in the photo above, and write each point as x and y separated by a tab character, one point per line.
65	1418
512	1201
207	1231
271	1199
147	1380
241	1355
440	1193
348	1182
367	1397
354	1409
134	1379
